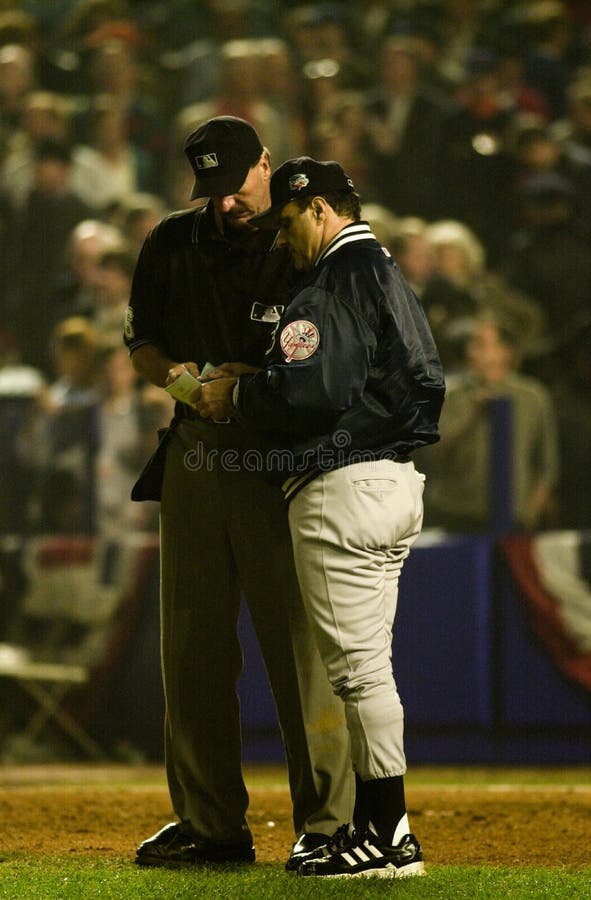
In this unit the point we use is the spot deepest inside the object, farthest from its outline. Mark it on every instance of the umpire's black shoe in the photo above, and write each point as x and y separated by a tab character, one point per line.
365	856
307	843
175	845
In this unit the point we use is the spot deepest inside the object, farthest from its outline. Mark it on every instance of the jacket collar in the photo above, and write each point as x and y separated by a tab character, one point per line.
356	231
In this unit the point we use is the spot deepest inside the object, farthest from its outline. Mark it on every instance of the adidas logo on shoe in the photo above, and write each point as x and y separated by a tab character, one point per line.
365	857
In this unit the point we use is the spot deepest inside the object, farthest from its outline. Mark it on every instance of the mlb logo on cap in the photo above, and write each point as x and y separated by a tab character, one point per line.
208	161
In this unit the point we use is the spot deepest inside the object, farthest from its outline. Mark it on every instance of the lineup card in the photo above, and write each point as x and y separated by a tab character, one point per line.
185	385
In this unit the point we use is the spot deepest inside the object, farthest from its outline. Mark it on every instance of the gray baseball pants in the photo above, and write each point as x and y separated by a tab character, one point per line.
352	529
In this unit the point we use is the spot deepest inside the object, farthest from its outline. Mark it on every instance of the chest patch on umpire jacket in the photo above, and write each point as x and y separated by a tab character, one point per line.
262	313
299	340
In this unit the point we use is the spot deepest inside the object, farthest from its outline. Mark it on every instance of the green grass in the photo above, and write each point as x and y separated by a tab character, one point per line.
84	876
59	877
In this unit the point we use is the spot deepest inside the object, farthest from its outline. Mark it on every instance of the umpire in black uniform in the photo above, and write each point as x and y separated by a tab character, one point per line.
209	287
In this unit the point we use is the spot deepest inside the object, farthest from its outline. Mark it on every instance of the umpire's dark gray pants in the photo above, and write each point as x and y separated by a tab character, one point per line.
224	529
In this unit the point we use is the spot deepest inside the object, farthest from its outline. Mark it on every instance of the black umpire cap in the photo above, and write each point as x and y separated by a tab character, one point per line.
221	152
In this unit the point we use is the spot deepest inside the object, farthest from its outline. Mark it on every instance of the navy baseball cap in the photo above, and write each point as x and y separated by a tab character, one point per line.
302	177
221	152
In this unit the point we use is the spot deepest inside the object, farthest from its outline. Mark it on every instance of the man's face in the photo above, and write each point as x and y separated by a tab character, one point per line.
236	210
300	230
486	351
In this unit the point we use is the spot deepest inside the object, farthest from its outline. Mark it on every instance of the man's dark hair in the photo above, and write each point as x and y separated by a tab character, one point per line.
344	203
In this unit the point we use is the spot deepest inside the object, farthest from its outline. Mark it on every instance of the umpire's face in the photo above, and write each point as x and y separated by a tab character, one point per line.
236	210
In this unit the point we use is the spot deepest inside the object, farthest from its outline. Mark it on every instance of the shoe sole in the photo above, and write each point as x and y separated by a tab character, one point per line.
413	870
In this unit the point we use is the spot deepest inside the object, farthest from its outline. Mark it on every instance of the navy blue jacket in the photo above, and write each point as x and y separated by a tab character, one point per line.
353	373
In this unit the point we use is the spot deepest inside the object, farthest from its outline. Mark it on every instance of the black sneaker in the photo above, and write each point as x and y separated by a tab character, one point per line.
176	845
365	857
306	845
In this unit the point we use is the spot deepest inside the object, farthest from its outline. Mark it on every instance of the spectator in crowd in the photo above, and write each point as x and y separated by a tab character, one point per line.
425	34
74	346
574	130
573	135
403	125
445	295
374	19
339	130
19	388
323	31
412	250
458	467
473	158
135	83
280	86
550	56
464	285
137	215
35	240
77	292
383	223
462	24
322	86
78	21
17	79
514	92
115	274
545	251
109	168
45	115
63	433
534	148
457	260
129	414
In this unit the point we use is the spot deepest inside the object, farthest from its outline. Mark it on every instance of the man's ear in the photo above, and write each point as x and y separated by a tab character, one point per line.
266	162
318	210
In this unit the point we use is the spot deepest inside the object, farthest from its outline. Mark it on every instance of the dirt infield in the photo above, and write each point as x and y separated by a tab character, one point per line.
106	811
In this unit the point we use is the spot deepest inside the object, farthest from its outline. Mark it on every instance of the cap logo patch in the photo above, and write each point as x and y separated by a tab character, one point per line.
299	181
207	161
299	340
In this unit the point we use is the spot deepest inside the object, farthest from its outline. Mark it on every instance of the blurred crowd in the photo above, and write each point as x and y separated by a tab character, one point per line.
466	126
